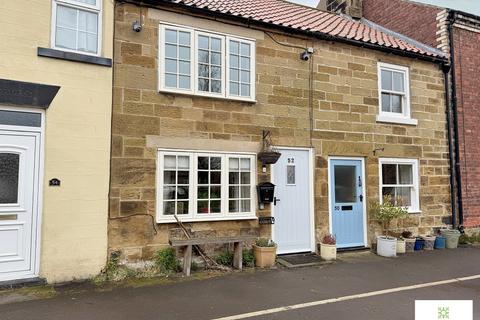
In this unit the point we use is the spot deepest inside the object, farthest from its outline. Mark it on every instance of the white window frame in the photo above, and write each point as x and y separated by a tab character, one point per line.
415	192
393	117
80	6
193	216
194	32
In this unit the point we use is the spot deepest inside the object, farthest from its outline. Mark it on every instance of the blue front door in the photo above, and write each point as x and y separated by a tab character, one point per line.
346	199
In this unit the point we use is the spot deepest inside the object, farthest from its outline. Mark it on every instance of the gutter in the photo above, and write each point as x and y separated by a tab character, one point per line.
206	12
452	17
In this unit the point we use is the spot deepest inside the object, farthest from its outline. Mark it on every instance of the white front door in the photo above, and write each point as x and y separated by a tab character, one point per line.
292	230
19	167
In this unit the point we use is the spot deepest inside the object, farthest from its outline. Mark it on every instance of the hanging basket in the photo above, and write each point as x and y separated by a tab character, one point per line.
269	157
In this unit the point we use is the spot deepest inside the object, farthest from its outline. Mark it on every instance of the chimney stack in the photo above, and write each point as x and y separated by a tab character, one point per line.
351	7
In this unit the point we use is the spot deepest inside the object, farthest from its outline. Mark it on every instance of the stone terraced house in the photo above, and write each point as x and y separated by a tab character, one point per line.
356	113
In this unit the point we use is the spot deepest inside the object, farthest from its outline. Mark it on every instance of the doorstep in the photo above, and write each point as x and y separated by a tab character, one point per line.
301	260
19	283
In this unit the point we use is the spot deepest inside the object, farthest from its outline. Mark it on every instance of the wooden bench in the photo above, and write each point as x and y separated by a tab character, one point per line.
188	243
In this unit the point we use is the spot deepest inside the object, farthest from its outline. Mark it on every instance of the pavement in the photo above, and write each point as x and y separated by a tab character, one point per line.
357	286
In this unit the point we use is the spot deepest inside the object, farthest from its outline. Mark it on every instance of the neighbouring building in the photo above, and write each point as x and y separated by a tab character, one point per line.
55	116
356	111
458	35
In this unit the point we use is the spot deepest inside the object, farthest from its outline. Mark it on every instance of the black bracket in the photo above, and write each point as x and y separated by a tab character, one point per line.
266	220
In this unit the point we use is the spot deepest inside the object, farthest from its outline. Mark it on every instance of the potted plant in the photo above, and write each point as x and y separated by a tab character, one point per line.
409	241
328	247
386	212
265	252
401	245
429	243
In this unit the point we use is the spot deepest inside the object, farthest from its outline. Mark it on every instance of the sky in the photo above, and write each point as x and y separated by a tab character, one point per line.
470	6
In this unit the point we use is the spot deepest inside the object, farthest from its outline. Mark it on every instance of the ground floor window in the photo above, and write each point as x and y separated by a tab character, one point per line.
205	186
399	181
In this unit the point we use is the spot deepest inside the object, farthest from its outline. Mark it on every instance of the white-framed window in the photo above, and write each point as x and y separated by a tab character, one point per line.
200	62
399	179
394	94
205	186
76	26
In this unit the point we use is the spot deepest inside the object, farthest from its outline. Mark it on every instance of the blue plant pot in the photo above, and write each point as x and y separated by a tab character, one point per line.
440	242
419	243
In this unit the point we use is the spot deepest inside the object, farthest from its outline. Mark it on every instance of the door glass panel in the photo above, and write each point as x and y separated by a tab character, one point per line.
345	187
9	167
17	118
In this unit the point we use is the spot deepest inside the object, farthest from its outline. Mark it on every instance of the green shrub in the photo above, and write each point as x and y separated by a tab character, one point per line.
225	258
248	258
166	261
264	242
194	266
387	211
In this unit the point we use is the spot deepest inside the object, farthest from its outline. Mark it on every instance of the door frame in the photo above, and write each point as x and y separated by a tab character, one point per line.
311	195
37	211
365	199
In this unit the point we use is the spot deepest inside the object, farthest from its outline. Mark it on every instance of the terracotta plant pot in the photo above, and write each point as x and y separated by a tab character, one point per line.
264	256
328	251
410	244
401	246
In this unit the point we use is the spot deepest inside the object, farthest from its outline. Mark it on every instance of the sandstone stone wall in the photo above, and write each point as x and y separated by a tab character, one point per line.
345	104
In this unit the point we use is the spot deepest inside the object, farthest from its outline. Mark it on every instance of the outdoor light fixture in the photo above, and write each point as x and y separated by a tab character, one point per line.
305	55
136	26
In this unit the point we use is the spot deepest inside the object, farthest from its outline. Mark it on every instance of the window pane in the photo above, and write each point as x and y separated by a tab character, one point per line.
169	177
202	193
170	51
203	42
171	65
216	59
215	206
184	53
203	56
245	205
389	173
245	177
234	88
405	173
345	184
233	205
184	38
91	2
203	85
386	102
233	163
183	162
184	67
215	192
87	21
398	81
386	80
390	192
245	76
203	70
66	17
216	44
245	63
216	73
245	49
245	164
184	82
245	192
182	192
396	103
171	80
168	193
202	207
169	207
82	41
183	177
245	90
234	178
234	61
290	174
215	177
170	162
65	38
234	47
91	43
216	86
203	177
9	169
18	118
234	74
233	192
170	36
182	207
403	197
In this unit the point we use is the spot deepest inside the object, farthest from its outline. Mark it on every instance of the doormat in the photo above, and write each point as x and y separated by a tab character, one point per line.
300	260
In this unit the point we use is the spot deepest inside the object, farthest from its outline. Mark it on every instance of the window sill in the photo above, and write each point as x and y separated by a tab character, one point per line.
247	100
162	220
397	120
415	211
73	56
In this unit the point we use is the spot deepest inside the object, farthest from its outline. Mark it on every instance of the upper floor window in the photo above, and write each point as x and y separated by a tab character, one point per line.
204	63
76	25
394	94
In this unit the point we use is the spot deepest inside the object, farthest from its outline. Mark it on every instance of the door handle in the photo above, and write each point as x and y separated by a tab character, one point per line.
275	200
361	198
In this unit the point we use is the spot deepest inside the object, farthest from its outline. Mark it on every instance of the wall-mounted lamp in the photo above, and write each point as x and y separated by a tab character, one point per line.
305	55
137	26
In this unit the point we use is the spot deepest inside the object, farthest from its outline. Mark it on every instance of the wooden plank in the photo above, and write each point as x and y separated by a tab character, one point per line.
200	241
187	260
237	255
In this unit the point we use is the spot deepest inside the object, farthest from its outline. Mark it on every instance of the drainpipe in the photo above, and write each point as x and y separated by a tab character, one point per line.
446	70
452	17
